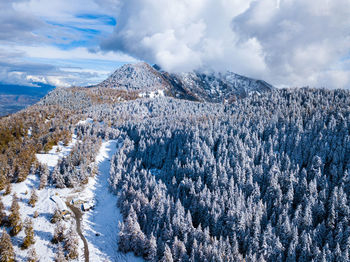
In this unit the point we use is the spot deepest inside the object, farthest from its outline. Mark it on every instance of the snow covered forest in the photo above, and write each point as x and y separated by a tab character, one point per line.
263	178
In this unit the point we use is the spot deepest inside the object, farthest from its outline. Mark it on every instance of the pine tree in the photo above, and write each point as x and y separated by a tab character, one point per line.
60	255
179	250
29	231
44	174
33	198
130	236
7	253
150	249
167	256
32	256
35	214
72	244
8	189
3	180
2	213
15	217
58	235
56	217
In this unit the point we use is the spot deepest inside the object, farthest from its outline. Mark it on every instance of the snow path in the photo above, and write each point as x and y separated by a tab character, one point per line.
101	224
77	215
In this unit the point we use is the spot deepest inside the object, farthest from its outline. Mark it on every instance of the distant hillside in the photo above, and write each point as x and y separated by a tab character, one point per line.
196	86
15	97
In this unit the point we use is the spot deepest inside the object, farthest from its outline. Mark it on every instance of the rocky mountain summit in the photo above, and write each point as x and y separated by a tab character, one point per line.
196	85
135	77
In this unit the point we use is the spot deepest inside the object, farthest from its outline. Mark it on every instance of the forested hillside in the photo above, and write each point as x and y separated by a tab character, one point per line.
263	178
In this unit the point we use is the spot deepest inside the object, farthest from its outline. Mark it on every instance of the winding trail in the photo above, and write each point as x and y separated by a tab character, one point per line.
78	215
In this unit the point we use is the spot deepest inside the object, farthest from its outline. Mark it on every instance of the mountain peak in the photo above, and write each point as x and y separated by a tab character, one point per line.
135	77
207	86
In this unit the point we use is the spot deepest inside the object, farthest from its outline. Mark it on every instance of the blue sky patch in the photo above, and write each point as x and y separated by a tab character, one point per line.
105	19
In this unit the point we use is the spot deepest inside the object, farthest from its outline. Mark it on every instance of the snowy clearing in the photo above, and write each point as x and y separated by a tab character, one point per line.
49	199
100	225
45	207
152	94
56	153
86	121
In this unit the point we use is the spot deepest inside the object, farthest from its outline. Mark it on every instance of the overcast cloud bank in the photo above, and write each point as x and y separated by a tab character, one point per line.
286	42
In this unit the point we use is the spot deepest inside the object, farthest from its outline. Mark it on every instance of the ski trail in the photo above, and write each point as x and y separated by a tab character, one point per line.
101	223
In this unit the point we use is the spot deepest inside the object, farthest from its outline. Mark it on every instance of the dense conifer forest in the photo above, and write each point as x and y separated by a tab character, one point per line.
264	178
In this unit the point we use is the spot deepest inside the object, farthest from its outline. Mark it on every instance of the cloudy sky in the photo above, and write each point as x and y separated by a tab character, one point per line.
80	42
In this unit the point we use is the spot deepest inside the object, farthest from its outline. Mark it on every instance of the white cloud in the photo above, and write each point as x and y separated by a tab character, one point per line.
286	42
26	64
56	42
184	35
52	52
302	40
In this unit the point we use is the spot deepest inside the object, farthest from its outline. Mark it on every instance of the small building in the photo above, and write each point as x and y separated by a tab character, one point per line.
87	206
77	202
66	215
59	202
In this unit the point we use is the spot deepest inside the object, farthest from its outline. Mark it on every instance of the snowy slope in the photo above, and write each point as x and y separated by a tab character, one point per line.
100	225
135	77
214	86
45	206
197	85
102	220
56	153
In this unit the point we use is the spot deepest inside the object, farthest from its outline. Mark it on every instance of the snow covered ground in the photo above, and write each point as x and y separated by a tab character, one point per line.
86	121
56	153
45	207
99	226
152	94
101	223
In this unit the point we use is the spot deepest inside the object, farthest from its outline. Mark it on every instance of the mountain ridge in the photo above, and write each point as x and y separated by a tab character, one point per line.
196	85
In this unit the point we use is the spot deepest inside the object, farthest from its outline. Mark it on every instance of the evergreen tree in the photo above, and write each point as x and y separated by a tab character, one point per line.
3	181
44	175
7	253
150	249
35	214
56	216
29	233
32	256
8	189
2	213
33	198
59	233
59	257
14	217
167	256
71	244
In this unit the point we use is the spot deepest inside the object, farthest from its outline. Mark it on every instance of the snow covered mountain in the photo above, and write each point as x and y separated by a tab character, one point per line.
95	174
135	77
215	87
197	86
